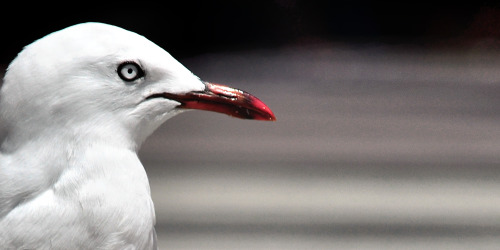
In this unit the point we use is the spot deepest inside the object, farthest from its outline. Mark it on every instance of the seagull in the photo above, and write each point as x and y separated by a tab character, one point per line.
75	107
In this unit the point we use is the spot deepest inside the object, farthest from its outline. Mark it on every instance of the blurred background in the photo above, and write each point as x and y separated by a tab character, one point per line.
388	130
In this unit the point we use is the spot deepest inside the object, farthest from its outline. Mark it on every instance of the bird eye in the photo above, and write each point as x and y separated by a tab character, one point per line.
130	71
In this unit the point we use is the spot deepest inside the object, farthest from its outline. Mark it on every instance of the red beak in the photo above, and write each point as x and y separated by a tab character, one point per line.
226	100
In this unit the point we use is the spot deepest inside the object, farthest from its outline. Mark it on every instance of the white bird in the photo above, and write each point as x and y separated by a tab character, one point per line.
75	107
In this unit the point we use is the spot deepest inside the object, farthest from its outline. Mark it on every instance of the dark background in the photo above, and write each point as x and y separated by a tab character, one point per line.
187	28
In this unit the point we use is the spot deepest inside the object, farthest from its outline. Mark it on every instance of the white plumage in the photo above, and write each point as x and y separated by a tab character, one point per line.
72	123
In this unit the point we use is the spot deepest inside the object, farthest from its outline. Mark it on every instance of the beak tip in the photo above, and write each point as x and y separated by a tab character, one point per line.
261	110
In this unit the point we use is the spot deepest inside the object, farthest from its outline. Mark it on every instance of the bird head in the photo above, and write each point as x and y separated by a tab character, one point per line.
94	78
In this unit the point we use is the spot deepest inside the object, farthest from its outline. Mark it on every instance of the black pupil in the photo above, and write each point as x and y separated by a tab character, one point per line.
130	70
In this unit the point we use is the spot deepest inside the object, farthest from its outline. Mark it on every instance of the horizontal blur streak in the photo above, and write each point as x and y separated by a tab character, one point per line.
306	201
